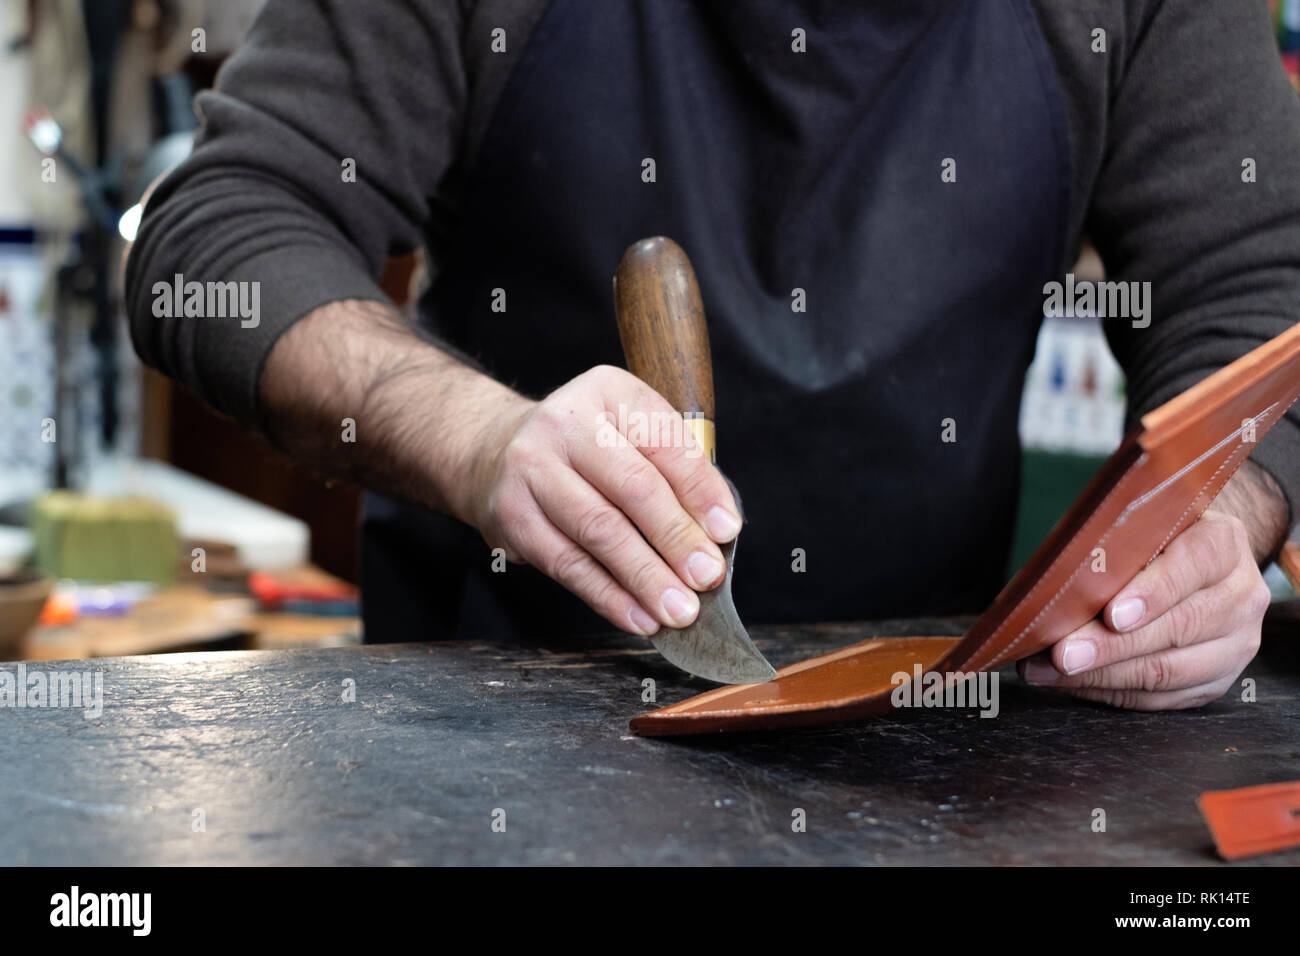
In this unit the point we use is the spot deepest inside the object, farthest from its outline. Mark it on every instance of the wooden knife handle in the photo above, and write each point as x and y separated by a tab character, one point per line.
661	324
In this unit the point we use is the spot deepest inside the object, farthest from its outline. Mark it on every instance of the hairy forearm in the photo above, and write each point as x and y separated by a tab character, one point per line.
1253	497
354	392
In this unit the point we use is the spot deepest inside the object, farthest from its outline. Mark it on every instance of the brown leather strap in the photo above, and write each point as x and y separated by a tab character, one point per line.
1164	475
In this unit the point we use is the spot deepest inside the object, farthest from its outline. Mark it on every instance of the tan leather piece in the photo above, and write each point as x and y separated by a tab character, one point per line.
846	684
1253	820
1159	481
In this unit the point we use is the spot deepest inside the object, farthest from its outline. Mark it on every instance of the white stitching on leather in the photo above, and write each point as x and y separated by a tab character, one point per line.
1110	494
1143	499
1146	497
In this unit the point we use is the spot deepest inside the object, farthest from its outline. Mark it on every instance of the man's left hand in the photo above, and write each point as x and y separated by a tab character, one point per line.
1179	634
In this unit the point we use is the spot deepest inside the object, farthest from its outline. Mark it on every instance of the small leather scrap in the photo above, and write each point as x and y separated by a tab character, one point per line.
1158	482
1253	820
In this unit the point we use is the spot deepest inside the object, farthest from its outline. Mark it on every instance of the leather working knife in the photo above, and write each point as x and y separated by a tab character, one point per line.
666	344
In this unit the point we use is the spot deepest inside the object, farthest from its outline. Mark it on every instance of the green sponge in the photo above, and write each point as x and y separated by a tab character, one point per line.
104	539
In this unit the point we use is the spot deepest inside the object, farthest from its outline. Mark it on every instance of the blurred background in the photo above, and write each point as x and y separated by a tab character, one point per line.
134	520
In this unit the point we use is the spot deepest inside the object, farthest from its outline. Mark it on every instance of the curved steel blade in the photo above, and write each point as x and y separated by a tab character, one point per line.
717	646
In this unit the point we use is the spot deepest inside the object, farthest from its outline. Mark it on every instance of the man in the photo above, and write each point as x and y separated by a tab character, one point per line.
873	196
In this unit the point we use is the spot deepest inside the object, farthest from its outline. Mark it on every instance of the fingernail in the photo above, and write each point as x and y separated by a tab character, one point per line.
1078	655
1040	672
722	525
1127	613
704	569
680	608
642	622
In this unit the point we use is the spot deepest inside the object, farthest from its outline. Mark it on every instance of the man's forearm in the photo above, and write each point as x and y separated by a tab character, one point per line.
353	391
1253	497
630	526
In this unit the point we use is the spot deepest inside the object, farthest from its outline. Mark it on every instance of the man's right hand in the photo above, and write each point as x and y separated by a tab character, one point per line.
630	527
630	523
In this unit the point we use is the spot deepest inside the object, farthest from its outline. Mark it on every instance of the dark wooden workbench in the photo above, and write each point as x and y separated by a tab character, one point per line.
442	735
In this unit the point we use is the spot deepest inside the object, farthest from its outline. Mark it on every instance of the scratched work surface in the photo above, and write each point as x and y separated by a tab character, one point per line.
441	736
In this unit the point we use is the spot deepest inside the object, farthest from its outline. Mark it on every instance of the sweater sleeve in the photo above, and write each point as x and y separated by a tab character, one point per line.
321	152
1199	194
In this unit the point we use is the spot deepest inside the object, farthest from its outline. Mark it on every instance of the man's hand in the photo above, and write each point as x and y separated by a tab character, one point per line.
629	528
1185	627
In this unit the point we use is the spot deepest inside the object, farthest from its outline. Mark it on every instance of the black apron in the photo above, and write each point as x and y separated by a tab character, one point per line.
776	171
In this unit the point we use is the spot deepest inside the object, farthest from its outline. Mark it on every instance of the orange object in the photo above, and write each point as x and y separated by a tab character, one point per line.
59	609
273	592
1253	820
